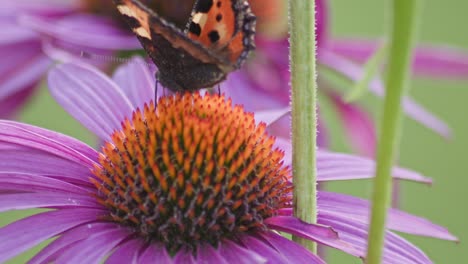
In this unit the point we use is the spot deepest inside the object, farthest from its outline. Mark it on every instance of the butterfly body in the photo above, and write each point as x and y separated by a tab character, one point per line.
217	40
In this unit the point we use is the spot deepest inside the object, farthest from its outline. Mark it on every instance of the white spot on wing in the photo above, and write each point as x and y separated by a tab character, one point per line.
126	11
142	32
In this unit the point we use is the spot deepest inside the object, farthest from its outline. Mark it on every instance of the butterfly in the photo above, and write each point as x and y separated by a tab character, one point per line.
217	39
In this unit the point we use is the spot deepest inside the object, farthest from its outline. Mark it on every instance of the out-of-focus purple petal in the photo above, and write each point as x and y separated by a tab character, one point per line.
271	116
21	201
440	61
90	96
359	127
42	7
67	239
233	252
411	108
321	234
126	252
155	253
94	248
83	29
28	232
9	106
207	254
291	251
184	257
14	34
136	81
357	208
23	75
49	141
396	249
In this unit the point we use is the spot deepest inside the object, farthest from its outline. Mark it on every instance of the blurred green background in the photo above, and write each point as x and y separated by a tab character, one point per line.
422	150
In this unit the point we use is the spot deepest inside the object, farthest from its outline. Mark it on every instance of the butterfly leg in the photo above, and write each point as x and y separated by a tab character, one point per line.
156	91
219	89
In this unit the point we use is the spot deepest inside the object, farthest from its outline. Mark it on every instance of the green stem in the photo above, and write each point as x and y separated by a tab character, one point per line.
304	118
403	36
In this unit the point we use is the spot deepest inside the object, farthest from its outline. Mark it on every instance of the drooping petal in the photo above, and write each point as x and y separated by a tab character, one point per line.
321	234
184	257
155	253
207	254
94	248
264	249
333	166
48	141
232	252
28	232
127	252
21	201
396	249
136	81
24	182
90	96
291	251
42	163
439	61
357	208
67	239
411	108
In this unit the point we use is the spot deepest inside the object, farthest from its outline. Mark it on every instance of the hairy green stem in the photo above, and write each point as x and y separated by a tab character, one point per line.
304	117
403	36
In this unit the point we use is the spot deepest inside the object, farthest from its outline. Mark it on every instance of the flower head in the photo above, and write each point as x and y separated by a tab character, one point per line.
193	179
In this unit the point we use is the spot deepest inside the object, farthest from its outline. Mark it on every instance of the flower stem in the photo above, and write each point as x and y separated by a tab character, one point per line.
403	36
304	118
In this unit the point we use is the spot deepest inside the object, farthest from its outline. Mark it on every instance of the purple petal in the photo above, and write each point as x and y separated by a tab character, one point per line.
22	75
155	253
136	81
207	254
396	249
90	96
42	7
321	234
21	201
184	257
412	109
338	166
14	34
48	141
359	127
31	161
28	232
233	252
291	251
356	208
94	248
126	252
263	248
83	30
68	239
24	182
439	61
270	116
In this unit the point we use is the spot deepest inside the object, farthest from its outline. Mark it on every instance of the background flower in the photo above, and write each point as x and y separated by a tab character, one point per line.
267	76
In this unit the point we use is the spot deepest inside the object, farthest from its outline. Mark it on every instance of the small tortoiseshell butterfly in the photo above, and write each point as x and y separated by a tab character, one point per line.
218	37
